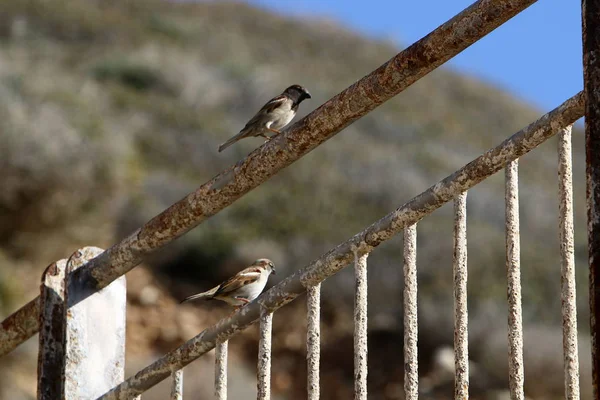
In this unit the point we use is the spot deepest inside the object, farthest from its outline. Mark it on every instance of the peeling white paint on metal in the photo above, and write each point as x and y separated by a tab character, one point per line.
461	327
313	340
363	242
220	370
411	330
264	355
360	327
567	255
513	268
177	385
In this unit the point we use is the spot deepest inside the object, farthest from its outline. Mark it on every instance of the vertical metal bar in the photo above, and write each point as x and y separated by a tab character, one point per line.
264	355
411	363
51	353
360	327
567	255
513	268
461	329
591	84
177	385
313	340
221	371
95	332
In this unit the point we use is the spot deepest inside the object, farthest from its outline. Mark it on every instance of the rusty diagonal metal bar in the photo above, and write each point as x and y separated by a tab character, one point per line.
360	244
385	82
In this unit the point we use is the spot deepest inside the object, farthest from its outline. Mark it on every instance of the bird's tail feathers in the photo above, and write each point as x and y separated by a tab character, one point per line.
231	141
204	295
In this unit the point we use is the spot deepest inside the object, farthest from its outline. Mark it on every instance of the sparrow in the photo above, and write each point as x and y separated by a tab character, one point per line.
274	115
241	288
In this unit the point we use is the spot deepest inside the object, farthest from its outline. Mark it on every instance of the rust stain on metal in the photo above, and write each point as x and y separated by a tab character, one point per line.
51	367
19	326
327	120
591	84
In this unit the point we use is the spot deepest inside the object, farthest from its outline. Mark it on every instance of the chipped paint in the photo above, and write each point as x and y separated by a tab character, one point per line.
177	385
516	375
51	354
95	333
567	257
360	327
264	356
411	326
461	327
313	341
221	369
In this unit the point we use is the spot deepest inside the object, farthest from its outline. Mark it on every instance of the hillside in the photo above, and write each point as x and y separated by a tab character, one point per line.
110	111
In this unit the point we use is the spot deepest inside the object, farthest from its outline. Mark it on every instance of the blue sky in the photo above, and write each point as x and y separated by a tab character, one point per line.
536	55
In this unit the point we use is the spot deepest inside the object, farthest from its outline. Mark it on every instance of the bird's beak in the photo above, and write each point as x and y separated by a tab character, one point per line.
307	95
273	271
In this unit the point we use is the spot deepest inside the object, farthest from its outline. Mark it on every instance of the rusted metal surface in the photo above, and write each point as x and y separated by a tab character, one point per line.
177	385
51	353
323	123
264	356
411	330
19	326
94	333
461	318
363	242
313	340
591	84
513	269
220	370
360	327
567	256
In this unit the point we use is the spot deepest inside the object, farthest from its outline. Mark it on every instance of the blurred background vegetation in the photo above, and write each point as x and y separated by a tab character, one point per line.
112	110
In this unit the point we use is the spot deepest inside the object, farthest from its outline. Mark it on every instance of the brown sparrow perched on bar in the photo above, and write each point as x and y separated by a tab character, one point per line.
273	116
241	288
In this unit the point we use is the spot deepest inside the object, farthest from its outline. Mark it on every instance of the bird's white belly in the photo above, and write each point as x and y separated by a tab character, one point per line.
281	117
253	290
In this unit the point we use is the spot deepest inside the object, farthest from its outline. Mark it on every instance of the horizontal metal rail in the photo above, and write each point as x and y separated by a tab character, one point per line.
360	244
385	82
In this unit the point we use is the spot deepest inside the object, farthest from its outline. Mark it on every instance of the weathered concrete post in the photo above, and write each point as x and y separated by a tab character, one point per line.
82	340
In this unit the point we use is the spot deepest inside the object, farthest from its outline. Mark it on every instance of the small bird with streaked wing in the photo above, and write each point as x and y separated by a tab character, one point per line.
277	113
243	287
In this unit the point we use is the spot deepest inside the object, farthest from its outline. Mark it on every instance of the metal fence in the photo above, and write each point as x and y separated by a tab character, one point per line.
81	357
